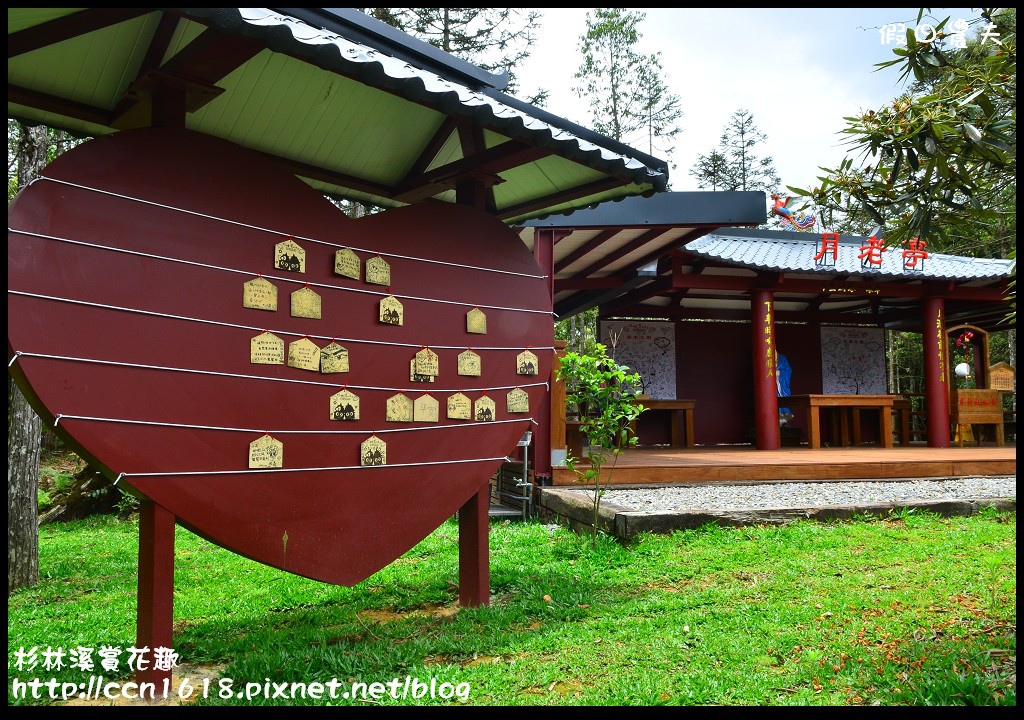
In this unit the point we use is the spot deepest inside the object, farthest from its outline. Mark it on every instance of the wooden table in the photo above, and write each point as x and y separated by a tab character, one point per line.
674	408
848	409
901	406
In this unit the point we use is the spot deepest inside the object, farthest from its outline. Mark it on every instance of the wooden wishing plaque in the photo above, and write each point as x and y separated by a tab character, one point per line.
415	376
266	349
344	405
484	409
306	303
476	322
259	294
391	312
526	363
266	452
304	354
378	271
399	408
518	401
426	409
459	407
333	359
469	363
346	264
426	363
373	451
288	255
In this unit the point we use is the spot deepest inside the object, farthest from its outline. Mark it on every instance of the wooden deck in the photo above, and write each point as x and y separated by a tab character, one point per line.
670	465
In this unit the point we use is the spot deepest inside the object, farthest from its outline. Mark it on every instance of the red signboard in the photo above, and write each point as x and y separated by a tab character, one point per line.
148	272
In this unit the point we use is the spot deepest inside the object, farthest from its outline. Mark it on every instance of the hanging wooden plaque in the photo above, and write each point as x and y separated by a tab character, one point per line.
526	363
391	312
399	408
288	255
333	359
266	349
426	363
259	294
306	303
304	354
426	409
518	401
346	263
344	405
469	363
484	409
476	321
373	451
415	376
378	271
266	452
459	407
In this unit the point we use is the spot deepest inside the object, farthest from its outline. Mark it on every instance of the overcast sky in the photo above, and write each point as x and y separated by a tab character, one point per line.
798	72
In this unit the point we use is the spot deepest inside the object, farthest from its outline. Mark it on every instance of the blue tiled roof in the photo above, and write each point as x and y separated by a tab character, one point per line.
794	252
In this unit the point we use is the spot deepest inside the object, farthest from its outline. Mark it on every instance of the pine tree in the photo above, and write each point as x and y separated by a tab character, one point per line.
627	95
494	39
745	169
711	171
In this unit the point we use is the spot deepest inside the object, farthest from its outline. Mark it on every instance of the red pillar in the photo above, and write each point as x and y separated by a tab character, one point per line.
474	559
155	610
544	253
474	550
936	380
766	391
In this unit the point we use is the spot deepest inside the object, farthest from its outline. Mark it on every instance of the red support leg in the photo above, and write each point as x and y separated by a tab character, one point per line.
474	559
155	611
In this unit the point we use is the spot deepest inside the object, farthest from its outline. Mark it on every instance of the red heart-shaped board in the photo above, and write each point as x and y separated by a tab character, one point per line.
127	264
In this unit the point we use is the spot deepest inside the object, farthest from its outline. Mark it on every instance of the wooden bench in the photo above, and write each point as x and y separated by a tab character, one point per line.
680	433
847	408
681	436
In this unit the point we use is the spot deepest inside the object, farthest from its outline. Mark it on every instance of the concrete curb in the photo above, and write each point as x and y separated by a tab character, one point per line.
563	506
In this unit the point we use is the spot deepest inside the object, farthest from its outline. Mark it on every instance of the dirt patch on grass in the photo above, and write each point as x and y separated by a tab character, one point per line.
386	616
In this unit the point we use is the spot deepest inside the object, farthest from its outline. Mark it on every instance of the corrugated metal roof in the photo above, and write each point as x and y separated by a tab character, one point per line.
360	111
790	252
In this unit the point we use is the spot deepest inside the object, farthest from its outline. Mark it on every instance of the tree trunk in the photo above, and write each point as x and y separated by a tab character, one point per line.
24	433
24	428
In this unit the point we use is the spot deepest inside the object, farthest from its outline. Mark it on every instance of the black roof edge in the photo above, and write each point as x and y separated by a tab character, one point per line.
674	208
359	27
581	132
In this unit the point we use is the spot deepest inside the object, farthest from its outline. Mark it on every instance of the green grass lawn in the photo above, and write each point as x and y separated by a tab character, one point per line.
915	609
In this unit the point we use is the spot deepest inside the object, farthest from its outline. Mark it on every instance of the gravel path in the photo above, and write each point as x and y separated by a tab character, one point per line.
718	496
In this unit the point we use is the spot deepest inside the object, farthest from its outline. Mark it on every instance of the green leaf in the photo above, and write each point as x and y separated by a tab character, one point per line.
912	159
875	215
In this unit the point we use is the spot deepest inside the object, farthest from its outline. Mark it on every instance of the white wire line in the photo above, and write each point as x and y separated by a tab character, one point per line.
189	426
261	329
289	235
278	278
252	471
241	376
